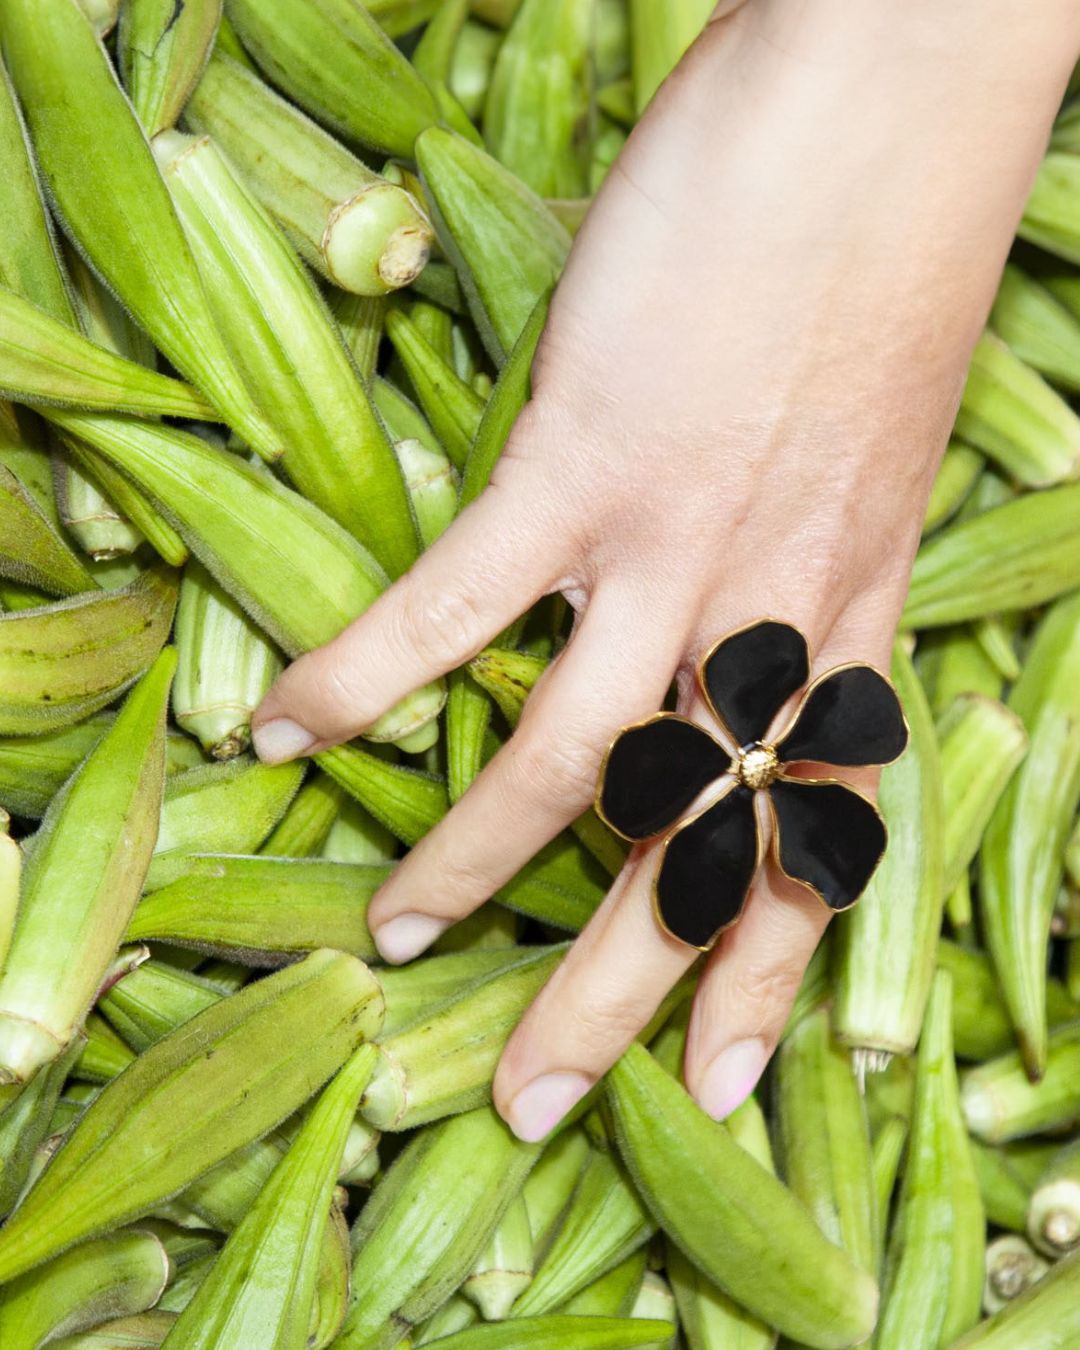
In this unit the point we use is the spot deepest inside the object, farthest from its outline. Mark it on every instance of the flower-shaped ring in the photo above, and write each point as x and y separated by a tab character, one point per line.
825	835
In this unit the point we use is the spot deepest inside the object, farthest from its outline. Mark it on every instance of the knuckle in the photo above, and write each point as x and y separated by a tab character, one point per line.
440	628
767	986
560	769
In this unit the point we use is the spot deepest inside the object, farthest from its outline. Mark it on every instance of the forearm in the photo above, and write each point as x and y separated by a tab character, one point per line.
889	146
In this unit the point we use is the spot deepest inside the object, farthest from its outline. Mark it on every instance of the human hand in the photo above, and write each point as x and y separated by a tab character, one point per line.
750	369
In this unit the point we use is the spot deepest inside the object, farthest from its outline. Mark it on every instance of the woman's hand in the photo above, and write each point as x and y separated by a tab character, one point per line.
750	371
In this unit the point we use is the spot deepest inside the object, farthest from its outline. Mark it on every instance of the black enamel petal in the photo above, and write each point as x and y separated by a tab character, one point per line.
750	675
707	868
654	772
851	716
829	837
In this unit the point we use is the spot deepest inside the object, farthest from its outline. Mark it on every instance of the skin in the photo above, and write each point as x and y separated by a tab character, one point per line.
749	375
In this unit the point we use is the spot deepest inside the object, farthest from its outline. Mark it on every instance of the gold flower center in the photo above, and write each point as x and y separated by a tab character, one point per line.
756	765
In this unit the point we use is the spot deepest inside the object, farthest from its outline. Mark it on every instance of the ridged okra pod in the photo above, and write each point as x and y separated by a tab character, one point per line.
25	1123
218	1082
303	829
224	666
82	882
934	1267
1038	327
886	950
261	1287
506	245
425	1225
219	808
659	35
1053	1220
982	742
960	468
299	574
364	234
290	351
120	1274
825	1139
537	107
505	1266
31	549
1011	414
444	1063
1045	1317
451	406
605	1222
262	911
162	52
1015	556
1001	1103
323	53
1050	216
110	195
1022	857
1012	1265
730	1216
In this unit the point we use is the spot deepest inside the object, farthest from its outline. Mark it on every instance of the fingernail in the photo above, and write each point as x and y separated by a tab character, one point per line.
280	740
731	1077
406	936
539	1107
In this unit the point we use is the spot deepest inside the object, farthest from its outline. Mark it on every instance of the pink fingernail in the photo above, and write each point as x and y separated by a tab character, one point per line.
731	1077
407	935
539	1107
280	740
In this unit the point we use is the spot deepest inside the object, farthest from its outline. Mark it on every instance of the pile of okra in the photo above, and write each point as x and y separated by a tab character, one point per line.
271	281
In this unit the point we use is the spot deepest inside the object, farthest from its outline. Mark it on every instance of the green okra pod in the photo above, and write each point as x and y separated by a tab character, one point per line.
433	56
63	661
407	801
297	572
708	1318
153	1000
730	1216
162	53
887	1151
951	662
505	1266
604	1223
215	1084
982	742
444	1063
1005	1192
82	881
471	63
364	234
1050	216
1015	556
224	666
506	245
110	195
303	829
263	911
934	1267
1012	415
322	54
290	351
1053	1217
25	1123
960	468
558	1332
219	808
31	549
260	1289
433	487
659	35
1012	1266
1001	1103
613	1294
825	1139
427	1222
981	1024
355	836
1045	1317
103	1054
1038	327
552	1183
112	1276
144	1331
456	1314
450	405
414	991
537	106
886	951
1022	857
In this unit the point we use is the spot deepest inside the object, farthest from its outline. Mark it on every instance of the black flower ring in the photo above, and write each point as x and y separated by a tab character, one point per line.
825	835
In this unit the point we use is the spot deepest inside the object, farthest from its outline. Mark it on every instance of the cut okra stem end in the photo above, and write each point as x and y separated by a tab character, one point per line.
376	241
